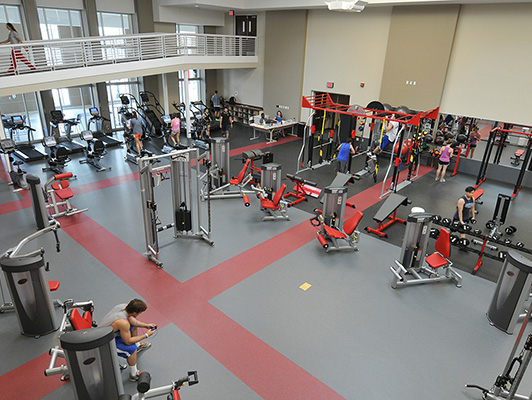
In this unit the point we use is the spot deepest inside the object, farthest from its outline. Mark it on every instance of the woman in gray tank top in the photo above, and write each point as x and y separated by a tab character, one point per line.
16	53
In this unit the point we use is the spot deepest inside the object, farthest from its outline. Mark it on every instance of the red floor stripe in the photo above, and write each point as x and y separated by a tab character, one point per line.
28	381
261	367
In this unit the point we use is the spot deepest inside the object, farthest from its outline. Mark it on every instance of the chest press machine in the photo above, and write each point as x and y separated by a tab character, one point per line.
414	262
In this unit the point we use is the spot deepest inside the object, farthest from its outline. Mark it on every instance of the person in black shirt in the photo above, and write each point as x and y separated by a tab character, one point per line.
226	122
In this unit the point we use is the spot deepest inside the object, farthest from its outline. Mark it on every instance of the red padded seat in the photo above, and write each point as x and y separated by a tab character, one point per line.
519	152
334	233
477	193
78	322
237	180
62	190
443	247
351	224
273	204
53	285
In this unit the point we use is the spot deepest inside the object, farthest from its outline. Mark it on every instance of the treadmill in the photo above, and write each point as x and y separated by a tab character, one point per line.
96	122
25	150
61	129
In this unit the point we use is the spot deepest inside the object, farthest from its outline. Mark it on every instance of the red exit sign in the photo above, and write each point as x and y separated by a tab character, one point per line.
330	85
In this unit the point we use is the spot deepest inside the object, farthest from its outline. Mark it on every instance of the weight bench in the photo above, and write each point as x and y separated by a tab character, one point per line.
477	194
302	189
388	211
255	155
517	156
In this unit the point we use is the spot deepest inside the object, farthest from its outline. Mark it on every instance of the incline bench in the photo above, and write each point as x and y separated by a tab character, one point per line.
388	211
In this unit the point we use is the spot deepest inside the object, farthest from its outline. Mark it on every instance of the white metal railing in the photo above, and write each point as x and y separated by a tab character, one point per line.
53	55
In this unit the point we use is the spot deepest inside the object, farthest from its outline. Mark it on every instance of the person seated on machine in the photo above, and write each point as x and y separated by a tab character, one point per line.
465	209
123	319
392	130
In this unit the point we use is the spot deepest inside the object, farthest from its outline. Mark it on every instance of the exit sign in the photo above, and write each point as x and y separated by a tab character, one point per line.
330	85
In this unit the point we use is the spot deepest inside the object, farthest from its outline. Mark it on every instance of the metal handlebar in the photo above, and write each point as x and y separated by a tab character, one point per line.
14	251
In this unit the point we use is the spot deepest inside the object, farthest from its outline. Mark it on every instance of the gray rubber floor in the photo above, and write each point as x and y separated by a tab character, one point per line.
350	330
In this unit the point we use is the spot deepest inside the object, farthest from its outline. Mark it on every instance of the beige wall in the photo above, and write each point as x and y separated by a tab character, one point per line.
284	55
347	49
419	47
490	69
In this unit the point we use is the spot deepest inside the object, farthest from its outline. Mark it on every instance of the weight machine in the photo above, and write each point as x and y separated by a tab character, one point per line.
414	261
7	146
217	180
506	385
185	199
172	391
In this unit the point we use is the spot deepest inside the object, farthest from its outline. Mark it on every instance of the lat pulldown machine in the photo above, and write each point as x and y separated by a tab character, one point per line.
185	201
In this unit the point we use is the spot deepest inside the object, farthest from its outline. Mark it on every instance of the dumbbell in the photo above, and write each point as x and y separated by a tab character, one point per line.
463	242
510	230
490	224
477	231
436	219
455	226
507	241
434	233
454	239
466	228
502	255
446	221
520	245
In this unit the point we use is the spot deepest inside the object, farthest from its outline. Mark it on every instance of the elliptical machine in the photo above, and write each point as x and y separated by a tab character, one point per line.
94	152
7	146
101	129
58	157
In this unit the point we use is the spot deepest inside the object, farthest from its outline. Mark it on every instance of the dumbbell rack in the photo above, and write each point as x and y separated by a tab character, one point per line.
484	238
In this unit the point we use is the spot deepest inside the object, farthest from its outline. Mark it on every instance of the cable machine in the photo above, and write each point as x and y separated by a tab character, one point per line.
186	208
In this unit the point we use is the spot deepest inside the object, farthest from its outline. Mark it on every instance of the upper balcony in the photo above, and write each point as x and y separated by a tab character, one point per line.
73	62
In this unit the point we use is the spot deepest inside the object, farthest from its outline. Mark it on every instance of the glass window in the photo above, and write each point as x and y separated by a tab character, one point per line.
59	24
114	90
11	14
26	105
194	84
114	24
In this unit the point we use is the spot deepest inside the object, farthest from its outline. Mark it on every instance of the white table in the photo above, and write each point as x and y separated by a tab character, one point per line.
269	128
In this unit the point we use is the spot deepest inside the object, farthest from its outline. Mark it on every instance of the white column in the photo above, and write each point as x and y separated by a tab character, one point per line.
166	104
2	131
187	105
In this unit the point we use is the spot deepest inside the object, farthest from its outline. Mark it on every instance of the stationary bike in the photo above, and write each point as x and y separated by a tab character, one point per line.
58	157
7	146
94	152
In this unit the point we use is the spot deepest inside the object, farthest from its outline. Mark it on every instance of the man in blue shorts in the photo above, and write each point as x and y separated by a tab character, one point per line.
123	319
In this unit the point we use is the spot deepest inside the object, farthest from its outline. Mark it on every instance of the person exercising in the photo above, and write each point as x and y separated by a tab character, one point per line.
392	129
446	153
465	209
123	319
207	121
137	130
226	122
344	150
176	130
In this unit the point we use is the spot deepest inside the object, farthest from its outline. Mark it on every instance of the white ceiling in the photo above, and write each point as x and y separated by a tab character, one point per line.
270	5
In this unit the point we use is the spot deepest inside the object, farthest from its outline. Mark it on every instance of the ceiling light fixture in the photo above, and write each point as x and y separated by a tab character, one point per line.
346	6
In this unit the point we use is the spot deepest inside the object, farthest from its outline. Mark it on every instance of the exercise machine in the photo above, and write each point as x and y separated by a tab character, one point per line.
16	174
72	320
334	233
144	390
58	194
302	189
101	128
187	214
58	157
29	290
61	129
217	180
94	152
414	262
25	150
506	385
